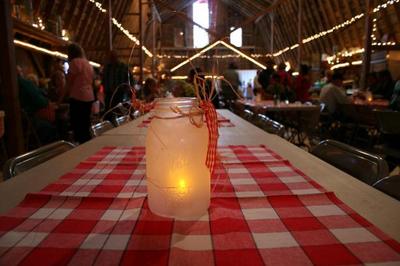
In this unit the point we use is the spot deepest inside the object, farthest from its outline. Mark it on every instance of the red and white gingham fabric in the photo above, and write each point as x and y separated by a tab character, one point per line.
276	230
222	121
263	212
245	171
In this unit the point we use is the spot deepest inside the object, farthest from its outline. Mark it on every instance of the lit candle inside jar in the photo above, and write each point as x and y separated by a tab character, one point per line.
182	187
179	180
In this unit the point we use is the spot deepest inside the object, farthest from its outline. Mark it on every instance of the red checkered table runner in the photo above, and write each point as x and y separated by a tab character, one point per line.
244	171
275	230
263	212
222	122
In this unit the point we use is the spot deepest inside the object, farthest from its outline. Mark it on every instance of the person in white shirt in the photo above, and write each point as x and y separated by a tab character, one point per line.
333	93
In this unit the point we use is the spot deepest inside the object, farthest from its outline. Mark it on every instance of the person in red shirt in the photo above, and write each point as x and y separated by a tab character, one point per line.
302	84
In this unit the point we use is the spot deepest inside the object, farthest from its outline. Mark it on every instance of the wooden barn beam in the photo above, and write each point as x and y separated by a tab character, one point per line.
326	25
367	45
96	15
119	11
352	31
76	24
86	24
345	32
79	5
333	21
258	15
319	26
290	30
9	88
184	16
299	33
141	58
109	26
310	28
48	9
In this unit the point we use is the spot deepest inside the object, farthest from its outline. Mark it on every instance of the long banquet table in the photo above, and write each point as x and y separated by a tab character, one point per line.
378	208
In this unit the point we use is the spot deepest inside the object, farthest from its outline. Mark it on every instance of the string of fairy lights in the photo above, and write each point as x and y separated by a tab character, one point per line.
315	37
331	59
339	27
122	29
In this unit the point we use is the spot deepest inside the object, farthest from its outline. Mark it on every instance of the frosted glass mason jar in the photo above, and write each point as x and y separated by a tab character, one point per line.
178	180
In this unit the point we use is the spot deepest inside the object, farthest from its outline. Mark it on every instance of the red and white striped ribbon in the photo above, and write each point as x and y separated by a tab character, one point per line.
212	124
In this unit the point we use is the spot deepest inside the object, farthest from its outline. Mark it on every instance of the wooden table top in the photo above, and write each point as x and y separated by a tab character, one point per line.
378	208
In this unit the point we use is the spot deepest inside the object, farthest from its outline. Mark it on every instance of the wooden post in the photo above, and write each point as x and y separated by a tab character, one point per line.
8	83
153	25
109	28
271	15
141	41
367	46
299	33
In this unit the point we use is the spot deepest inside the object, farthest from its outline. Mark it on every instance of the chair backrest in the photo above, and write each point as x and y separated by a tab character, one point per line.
121	120
271	126
26	161
364	166
99	128
248	115
309	120
389	185
135	114
389	121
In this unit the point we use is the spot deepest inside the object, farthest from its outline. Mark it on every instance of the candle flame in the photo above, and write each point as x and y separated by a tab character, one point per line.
182	186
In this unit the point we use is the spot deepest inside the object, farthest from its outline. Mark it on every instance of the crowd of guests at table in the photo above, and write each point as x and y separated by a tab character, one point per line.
281	85
67	100
72	97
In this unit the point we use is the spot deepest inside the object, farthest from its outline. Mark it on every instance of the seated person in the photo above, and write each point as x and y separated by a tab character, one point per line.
150	90
385	85
38	108
395	101
333	93
275	88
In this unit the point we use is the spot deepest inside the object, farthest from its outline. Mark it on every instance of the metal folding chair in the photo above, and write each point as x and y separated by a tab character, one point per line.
364	166
389	128
26	161
389	185
248	115
121	120
99	128
271	126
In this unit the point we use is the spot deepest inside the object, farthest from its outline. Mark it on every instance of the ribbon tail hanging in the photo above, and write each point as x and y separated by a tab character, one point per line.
212	125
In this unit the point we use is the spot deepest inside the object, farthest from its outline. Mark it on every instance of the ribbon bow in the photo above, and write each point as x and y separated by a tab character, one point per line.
212	125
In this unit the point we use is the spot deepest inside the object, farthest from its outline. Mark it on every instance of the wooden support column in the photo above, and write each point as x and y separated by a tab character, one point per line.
154	32
271	46
367	45
299	33
8	83
141	39
109	28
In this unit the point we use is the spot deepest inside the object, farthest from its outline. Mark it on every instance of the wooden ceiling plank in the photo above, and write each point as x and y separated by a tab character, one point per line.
293	6
353	33
320	26
94	22
76	23
344	32
70	13
311	29
289	13
333	22
119	14
48	8
87	23
326	25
